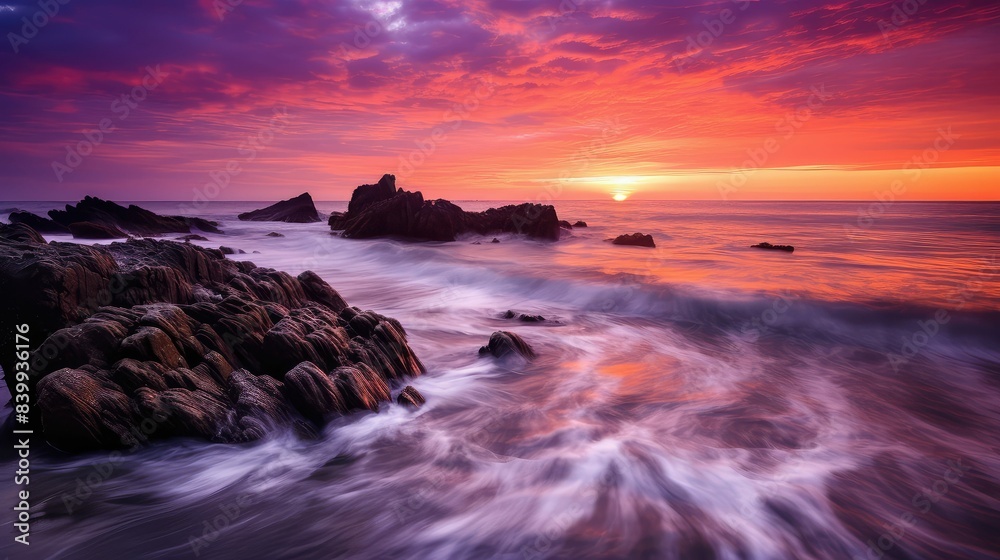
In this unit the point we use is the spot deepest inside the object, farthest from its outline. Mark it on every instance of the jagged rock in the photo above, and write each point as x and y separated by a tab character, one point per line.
580	223
275	234
297	210
766	245
381	210
636	239
177	337
409	396
132	219
503	344
91	230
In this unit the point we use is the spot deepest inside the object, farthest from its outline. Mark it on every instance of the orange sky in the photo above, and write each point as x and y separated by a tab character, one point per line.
500	99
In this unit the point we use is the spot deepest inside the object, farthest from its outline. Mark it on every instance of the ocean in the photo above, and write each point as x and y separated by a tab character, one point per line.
700	399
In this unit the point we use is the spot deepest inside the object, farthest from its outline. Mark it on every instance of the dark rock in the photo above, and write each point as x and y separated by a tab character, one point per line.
337	221
179	337
495	240
565	225
20	232
503	344
91	230
522	317
409	396
636	239
192	237
382	210
37	223
580	224
231	251
132	219
275	234
767	245
297	210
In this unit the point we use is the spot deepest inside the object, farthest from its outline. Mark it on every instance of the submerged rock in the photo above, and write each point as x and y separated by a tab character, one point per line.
230	251
636	239
509	314
181	340
766	245
192	237
275	234
580	224
297	210
383	210
503	344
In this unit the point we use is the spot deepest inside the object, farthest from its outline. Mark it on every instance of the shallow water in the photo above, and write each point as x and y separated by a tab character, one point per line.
697	400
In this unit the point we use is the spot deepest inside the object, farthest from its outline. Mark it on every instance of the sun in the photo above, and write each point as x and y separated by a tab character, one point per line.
619	196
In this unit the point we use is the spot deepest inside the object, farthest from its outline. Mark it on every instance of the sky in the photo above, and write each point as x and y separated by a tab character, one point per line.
501	99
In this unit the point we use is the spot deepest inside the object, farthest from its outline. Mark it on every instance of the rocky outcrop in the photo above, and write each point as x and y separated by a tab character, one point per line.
131	219
37	223
523	317
580	224
179	341
505	344
299	210
565	225
409	396
766	245
192	237
381	210
636	239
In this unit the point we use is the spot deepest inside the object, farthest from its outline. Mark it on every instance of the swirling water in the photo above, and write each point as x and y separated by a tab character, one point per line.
697	400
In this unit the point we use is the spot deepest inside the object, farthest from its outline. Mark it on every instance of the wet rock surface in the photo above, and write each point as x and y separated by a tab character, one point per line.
504	344
192	344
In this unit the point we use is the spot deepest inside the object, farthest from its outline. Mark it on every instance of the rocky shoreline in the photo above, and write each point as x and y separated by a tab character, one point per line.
180	341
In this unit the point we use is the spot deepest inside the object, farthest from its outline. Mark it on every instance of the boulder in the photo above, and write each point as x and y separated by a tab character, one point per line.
565	225
509	314
503	344
766	245
635	239
297	210
580	224
409	396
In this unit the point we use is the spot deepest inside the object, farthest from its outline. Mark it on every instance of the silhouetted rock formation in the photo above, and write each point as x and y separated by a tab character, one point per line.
565	225
133	219
298	210
177	337
381	210
91	230
503	344
409	396
637	239
768	246
580	224
37	223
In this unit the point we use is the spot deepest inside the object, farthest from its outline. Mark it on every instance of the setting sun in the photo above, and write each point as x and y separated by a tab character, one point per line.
619	196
